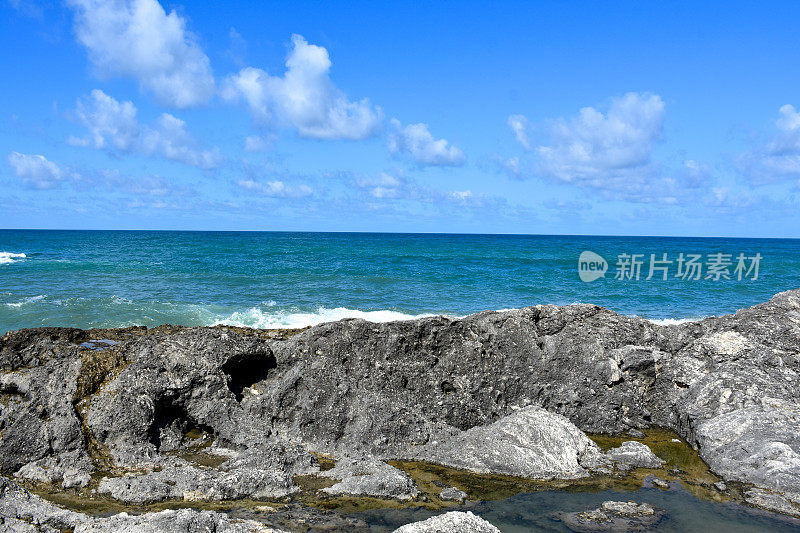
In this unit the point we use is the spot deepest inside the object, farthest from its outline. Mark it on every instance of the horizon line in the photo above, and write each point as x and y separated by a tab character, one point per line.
407	233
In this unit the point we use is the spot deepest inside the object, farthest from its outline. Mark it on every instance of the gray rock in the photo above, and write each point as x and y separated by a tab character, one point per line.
172	521
785	502
633	454
721	486
530	442
367	476
21	511
298	517
192	483
613	516
20	507
452	522
658	482
452	493
728	385
759	445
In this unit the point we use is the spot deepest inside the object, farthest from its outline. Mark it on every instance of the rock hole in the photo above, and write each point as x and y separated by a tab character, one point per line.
447	387
172	427
248	369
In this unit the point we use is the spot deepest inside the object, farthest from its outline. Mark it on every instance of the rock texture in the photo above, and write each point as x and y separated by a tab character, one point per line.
452	522
134	403
367	476
632	454
617	517
531	442
21	511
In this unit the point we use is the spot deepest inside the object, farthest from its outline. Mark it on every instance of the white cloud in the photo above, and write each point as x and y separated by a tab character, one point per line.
605	149
384	185
137	39
113	126
36	171
462	196
417	143
610	151
519	124
256	143
275	188
147	186
511	166
777	159
305	98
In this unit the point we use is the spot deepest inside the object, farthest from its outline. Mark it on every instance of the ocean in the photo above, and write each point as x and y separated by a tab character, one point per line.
283	279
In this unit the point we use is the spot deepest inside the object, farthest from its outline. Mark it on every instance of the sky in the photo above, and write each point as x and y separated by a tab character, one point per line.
623	118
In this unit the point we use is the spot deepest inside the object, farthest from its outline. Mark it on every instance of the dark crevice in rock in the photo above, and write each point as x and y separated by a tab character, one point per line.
172	425
247	370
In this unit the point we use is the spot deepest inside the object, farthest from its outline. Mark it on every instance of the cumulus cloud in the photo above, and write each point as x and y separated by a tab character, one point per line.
610	151
519	124
416	142
113	126
275	188
36	171
600	149
304	98
137	39
778	158
385	186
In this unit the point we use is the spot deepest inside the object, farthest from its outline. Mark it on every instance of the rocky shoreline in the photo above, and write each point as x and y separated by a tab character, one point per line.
349	413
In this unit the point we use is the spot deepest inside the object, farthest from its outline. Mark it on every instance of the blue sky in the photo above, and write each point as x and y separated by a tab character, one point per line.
627	118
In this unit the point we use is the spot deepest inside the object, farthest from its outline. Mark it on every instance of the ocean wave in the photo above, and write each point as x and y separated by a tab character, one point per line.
10	257
257	318
25	301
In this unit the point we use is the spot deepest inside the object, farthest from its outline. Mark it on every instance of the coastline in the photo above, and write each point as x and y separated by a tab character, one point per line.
239	417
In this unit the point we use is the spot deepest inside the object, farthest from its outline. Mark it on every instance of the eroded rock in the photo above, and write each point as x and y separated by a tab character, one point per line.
618	517
452	522
367	476
530	442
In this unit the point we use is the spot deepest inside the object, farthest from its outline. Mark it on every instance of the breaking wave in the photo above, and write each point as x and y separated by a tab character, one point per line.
10	257
257	318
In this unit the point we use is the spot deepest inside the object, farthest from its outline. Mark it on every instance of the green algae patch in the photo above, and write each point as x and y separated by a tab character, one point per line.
96	505
98	366
683	463
325	461
313	482
204	458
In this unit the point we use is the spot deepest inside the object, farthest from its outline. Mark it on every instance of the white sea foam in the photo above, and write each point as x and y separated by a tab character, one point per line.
673	321
10	257
257	318
25	301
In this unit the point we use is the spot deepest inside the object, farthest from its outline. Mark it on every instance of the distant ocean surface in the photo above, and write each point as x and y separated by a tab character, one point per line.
269	280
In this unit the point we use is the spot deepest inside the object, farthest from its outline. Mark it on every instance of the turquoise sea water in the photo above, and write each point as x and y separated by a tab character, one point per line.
535	512
118	278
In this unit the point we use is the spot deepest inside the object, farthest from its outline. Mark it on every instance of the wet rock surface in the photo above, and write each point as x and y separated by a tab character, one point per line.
21	511
633	454
452	493
613	516
200	414
367	476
